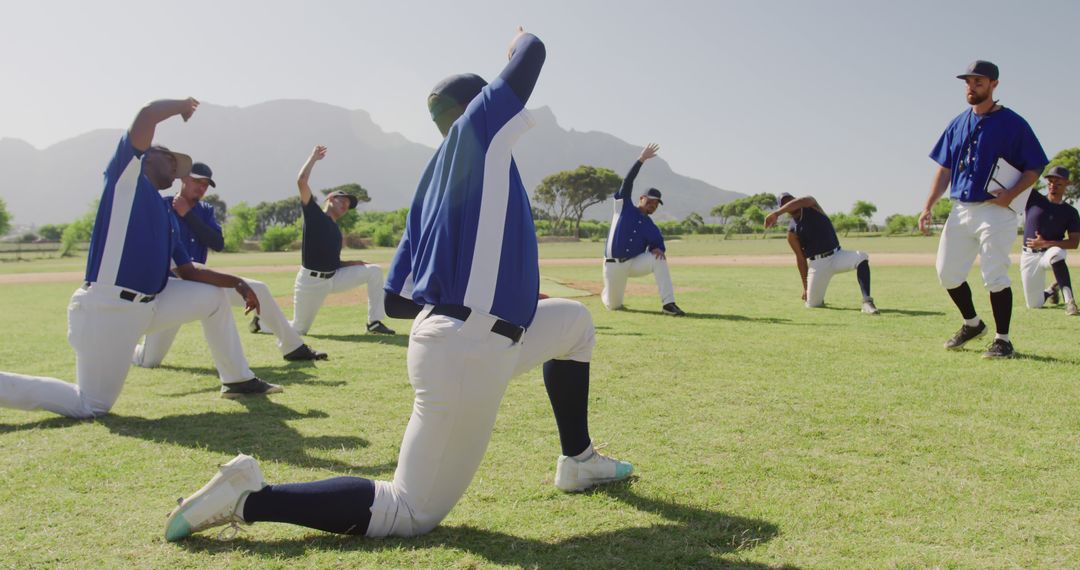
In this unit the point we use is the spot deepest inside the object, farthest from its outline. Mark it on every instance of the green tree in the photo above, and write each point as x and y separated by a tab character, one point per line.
5	218
941	210
1069	158
864	211
278	213
845	222
350	219
756	216
693	222
78	231
51	232
220	208
279	238
736	208
241	226
901	224
569	193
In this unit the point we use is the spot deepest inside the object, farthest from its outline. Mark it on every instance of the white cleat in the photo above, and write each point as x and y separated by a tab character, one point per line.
217	502
572	475
869	308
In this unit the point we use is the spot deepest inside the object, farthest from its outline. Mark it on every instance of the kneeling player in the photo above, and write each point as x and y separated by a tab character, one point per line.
1047	219
817	250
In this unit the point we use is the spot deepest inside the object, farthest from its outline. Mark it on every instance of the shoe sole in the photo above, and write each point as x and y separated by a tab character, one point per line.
234	395
961	345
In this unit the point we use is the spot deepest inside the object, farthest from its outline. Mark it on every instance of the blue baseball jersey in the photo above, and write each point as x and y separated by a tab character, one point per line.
972	144
399	275
631	233
196	249
815	231
470	231
134	236
1048	219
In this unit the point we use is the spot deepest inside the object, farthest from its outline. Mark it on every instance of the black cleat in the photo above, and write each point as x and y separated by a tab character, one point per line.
304	352
673	310
253	326
253	387
965	334
999	349
378	328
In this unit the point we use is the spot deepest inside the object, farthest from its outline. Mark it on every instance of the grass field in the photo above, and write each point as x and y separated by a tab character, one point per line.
763	435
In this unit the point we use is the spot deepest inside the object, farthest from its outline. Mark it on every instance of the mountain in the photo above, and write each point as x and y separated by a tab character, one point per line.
256	152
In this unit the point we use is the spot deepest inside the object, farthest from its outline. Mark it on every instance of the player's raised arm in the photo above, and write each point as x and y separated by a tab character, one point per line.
142	128
627	185
791	206
527	54
317	154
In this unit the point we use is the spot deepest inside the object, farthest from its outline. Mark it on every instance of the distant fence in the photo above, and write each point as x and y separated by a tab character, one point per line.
13	251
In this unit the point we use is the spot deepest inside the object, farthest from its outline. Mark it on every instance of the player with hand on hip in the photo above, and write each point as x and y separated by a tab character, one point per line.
818	254
200	232
322	271
472	252
127	291
635	246
981	223
1047	220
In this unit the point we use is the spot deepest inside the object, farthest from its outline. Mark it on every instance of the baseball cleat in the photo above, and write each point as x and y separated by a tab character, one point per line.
1070	308
673	310
253	326
305	352
218	501
253	387
378	327
869	308
964	335
999	349
573	475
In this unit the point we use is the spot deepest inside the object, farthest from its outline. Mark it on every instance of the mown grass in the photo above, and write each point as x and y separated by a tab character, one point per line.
763	435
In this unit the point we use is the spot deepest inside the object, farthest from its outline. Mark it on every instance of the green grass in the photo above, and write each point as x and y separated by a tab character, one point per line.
763	435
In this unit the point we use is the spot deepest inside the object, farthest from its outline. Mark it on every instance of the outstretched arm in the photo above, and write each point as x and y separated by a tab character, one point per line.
627	186
191	272
317	154
142	128
527	55
804	202
800	259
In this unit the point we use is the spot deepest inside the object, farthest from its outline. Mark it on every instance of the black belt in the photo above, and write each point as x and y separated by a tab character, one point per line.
322	275
617	259
126	295
1030	250
823	255
461	313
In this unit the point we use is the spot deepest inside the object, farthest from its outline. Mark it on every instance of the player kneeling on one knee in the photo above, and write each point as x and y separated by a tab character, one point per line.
1047	220
818	254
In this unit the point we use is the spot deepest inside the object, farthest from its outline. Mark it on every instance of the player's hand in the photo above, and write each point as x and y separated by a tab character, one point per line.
925	219
804	295
649	151
1037	242
513	42
543	296
190	104
770	220
658	253
1002	199
318	153
181	205
251	302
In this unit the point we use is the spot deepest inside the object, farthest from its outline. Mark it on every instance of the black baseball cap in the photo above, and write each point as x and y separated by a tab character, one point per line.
980	68
782	198
353	200
1059	171
653	194
201	171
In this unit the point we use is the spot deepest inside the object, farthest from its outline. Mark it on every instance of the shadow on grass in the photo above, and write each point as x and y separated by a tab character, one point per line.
690	537
714	316
905	312
290	375
397	339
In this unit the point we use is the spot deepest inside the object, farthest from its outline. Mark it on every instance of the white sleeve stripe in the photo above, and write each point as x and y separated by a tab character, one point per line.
119	215
611	230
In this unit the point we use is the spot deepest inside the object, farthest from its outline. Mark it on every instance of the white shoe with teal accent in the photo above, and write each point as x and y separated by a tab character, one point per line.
218	501
572	475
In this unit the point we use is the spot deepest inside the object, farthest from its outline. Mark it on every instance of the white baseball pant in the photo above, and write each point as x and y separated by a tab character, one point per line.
156	345
309	292
104	329
974	229
1033	267
460	372
820	272
616	273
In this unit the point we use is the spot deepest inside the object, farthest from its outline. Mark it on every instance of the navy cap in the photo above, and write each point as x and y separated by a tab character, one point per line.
653	194
353	200
1059	171
980	68
201	171
783	197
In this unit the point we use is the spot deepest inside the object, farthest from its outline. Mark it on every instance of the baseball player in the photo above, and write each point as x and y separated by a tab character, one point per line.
1046	222
472	253
818	254
199	232
127	292
634	244
323	272
981	223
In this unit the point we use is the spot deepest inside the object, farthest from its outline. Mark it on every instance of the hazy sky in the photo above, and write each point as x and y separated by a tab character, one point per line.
841	99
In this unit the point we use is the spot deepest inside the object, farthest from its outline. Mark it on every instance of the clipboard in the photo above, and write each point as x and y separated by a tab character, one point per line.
1005	176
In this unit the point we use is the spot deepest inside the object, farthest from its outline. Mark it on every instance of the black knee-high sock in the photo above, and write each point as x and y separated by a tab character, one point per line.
961	297
341	504
1061	274
567	383
1001	303
862	274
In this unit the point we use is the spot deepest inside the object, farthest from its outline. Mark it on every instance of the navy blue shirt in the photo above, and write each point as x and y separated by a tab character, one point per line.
1050	220
199	230
320	247
815	231
469	237
632	233
134	236
972	144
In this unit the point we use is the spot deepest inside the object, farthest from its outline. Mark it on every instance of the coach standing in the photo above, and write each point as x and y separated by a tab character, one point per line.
981	223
